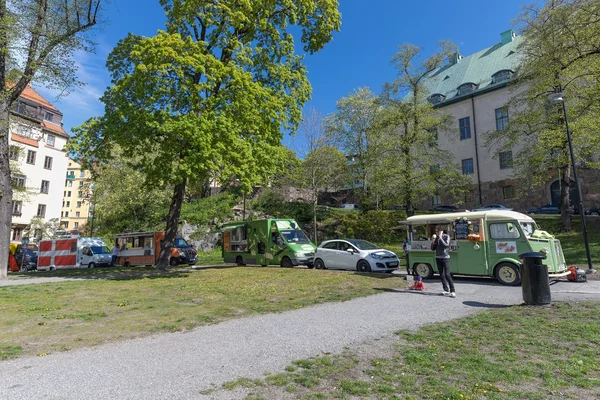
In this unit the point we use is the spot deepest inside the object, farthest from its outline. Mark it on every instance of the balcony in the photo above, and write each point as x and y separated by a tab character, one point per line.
70	176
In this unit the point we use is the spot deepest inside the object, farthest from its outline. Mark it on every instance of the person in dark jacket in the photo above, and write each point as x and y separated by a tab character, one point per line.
441	245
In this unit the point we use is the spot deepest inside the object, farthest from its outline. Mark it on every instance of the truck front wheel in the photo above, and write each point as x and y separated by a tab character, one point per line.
286	262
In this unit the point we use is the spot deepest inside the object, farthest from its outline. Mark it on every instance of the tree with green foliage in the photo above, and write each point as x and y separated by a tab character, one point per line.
122	199
411	165
352	128
37	41
561	53
214	92
39	229
324	168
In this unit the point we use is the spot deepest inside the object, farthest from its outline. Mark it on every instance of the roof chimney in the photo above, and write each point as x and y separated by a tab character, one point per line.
454	58
507	36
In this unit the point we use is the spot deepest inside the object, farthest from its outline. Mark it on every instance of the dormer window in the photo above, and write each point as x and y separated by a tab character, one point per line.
437	98
48	116
466	88
502	76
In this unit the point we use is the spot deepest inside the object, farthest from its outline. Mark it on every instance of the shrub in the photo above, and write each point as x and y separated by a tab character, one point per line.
204	211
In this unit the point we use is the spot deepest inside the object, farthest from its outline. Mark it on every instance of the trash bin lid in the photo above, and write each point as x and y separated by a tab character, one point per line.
533	254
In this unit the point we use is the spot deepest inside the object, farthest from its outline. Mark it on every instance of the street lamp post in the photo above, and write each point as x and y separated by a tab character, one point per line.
560	98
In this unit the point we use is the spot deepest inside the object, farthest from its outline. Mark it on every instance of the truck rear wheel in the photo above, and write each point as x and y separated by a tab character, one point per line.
286	262
173	262
239	261
91	265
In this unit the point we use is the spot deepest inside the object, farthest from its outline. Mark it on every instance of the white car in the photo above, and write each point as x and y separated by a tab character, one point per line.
354	254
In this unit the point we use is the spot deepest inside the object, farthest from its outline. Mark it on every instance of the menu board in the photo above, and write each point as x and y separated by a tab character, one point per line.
462	230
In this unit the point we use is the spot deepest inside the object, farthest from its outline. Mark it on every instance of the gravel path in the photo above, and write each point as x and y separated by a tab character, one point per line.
182	365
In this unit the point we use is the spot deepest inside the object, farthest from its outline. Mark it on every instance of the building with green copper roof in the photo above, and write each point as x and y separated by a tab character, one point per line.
474	90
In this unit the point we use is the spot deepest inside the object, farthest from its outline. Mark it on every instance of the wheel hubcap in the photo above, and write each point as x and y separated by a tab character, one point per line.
422	270
507	274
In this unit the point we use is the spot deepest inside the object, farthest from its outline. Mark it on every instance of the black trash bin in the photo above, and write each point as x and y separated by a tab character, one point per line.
534	279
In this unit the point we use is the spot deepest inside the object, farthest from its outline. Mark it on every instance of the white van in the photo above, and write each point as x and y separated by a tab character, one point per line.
79	252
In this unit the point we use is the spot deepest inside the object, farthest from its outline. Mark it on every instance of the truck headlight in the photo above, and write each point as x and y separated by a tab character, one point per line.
299	254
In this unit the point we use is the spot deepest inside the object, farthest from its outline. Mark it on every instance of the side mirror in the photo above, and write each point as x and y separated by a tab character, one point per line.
351	251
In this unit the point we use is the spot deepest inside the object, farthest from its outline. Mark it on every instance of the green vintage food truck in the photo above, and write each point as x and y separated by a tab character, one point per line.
267	242
486	243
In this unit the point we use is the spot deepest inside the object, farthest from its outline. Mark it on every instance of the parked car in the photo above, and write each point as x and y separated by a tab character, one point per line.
493	207
354	254
349	206
547	209
550	209
445	208
28	261
593	211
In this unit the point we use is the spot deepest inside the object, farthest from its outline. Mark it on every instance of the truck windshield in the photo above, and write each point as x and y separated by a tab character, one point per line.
294	236
180	243
100	250
528	228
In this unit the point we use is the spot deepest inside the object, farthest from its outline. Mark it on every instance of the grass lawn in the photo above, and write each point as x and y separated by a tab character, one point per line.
117	304
511	353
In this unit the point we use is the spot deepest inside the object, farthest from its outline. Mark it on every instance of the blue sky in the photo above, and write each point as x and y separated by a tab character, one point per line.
358	56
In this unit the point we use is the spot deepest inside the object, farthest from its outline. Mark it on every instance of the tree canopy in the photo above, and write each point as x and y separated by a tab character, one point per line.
215	92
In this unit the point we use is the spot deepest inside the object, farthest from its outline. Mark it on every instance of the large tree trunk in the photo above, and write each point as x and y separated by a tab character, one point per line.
5	188
172	226
565	201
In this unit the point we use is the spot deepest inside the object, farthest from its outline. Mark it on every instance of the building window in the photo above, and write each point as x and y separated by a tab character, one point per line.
17	207
66	214
18	181
81	174
51	140
68	194
69	183
66	224
508	192
25	131
78	204
466	88
68	204
30	157
467	166
437	98
45	187
79	194
76	225
465	128
17	233
41	211
506	160
48	163
77	214
13	153
81	183
501	118
48	117
501	76
436	200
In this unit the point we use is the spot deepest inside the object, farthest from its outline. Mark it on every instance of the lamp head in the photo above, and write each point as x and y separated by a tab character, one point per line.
556	97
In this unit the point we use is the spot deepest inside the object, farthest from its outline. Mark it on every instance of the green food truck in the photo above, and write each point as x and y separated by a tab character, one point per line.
485	243
267	242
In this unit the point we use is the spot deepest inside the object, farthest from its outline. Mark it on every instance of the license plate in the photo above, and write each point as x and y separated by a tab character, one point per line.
393	264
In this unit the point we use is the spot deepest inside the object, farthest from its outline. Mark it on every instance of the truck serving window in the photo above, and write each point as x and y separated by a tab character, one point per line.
294	236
